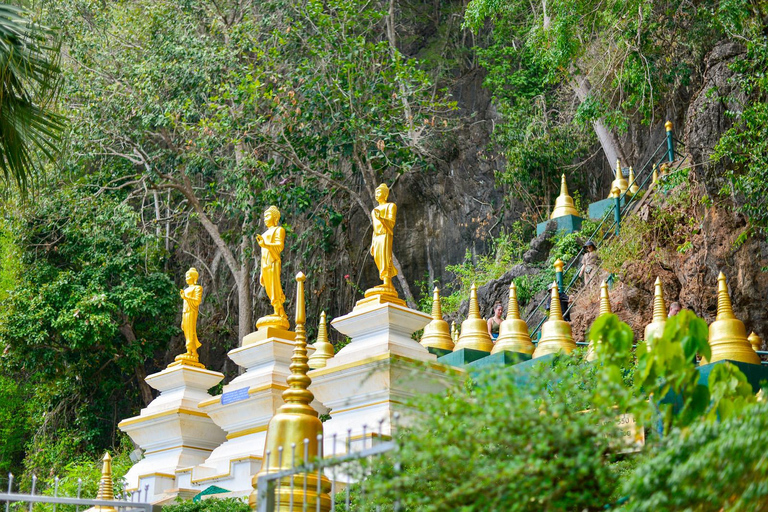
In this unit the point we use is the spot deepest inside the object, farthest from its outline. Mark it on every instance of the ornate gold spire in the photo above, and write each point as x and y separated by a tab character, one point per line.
513	332
619	182
323	348
656	327
755	341
474	330
437	333
556	332
633	186
564	203
727	335
605	309
294	422
106	491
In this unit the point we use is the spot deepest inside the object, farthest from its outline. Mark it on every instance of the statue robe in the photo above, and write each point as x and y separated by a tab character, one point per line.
381	244
271	265
193	295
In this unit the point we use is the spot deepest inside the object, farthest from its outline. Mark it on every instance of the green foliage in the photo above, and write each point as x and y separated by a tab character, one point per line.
10	261
209	505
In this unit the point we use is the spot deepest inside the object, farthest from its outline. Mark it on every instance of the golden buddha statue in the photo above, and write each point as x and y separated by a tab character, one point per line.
436	333
272	242
383	218
192	296
619	182
605	309
655	329
555	332
564	203
513	331
727	334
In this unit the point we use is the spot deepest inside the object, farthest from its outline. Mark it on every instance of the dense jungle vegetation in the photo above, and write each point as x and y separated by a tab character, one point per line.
160	130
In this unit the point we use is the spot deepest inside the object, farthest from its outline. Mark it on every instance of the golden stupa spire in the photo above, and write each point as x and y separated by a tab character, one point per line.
619	182
655	173
323	348
454	333
564	203
556	332
106	490
474	330
633	186
605	309
755	341
437	334
727	334
513	332
294	422
656	327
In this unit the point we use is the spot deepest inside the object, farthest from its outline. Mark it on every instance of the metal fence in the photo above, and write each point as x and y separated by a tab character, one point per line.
300	487
39	499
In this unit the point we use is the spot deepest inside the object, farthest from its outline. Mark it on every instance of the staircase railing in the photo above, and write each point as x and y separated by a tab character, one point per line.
663	154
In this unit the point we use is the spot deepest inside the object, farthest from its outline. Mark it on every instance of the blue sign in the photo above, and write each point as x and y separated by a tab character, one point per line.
234	396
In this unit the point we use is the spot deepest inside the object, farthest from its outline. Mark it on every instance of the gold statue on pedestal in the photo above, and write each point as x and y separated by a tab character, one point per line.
437	334
323	348
513	331
556	332
564	203
296	422
192	296
474	330
272	242
727	334
605	309
655	329
383	218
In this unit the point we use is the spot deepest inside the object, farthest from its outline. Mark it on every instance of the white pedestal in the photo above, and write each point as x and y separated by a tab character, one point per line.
173	431
243	411
372	377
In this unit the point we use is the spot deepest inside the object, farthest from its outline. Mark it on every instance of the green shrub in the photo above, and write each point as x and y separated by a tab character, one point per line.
209	505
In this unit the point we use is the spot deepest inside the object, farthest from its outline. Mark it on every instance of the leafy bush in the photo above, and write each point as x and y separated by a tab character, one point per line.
209	505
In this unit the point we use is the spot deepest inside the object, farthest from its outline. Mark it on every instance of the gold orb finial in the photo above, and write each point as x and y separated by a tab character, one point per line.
559	265
727	334
474	330
513	332
668	126
437	333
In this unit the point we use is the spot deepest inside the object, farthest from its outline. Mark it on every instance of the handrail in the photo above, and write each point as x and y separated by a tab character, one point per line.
646	172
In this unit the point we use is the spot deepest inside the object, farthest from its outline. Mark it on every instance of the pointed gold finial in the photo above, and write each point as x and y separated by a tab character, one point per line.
437	333
295	422
513	332
727	334
605	309
656	327
192	296
633	187
556	332
106	490
323	348
655	173
668	126
755	341
619	182
564	203
474	330
559	265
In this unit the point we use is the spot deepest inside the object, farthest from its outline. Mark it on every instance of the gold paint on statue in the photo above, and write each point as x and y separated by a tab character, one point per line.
383	219
437	333
294	422
727	334
272	242
633	186
513	331
564	203
106	491
323	348
555	333
605	309
192	296
655	329
474	330
619	182
755	341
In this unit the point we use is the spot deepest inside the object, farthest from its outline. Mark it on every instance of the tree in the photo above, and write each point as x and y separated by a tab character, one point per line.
29	80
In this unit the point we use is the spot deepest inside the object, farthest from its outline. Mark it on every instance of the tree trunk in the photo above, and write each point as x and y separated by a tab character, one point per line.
141	374
608	140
